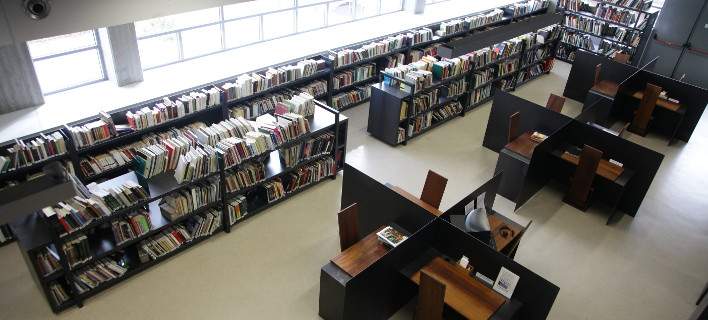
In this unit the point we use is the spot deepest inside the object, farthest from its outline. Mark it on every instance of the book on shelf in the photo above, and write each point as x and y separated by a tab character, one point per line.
480	20
401	135
420	35
126	195
447	111
309	174
86	135
187	200
167	241
133	226
351	76
311	148
248	84
204	224
345	57
274	189
98	272
77	250
5	233
47	261
74	214
58	294
526	7
25	153
196	163
315	88
248	175
548	34
237	209
302	104
348	98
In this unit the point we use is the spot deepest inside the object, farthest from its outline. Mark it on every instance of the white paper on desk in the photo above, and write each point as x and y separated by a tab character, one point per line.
506	282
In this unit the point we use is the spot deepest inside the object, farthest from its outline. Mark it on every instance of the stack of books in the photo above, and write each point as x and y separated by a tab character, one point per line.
484	19
132	227
128	194
274	190
185	201
237	209
247	176
47	261
345	99
58	294
315	88
77	251
311	148
35	150
310	174
205	224
74	214
165	242
97	273
358	74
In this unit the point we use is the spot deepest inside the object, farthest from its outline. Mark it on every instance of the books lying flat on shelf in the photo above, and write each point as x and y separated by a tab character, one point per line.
77	251
247	176
310	174
74	214
126	195
314	147
237	209
58	294
131	227
97	273
352	76
47	261
165	242
25	153
390	236
205	224
187	200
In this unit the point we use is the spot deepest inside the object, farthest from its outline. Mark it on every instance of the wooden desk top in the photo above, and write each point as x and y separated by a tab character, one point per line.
432	210
523	145
661	102
605	169
361	255
463	293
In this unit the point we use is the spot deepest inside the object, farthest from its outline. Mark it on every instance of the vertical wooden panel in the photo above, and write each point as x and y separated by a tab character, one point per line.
646	107
19	87
555	103
514	125
433	189
581	184
431	298
348	226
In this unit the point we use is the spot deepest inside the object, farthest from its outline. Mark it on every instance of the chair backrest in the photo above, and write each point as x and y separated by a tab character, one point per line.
598	68
621	57
646	108
513	129
581	184
348	220
431	298
555	103
433	189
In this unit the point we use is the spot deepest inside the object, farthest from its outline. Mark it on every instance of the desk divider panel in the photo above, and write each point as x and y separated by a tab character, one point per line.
533	118
582	74
378	204
693	98
644	162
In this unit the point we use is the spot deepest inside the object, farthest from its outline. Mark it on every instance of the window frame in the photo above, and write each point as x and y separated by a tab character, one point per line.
222	22
101	58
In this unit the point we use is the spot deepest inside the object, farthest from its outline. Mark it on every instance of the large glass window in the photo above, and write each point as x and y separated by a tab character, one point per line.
183	36
67	61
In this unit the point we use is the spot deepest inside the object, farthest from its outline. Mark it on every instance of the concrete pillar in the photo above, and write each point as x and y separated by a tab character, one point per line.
125	54
19	87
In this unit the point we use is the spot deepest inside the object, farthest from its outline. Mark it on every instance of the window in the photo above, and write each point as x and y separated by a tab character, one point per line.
189	35
67	61
434	1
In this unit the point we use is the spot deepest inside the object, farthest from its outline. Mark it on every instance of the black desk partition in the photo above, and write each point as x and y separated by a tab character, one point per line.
691	97
582	73
533	118
378	204
643	161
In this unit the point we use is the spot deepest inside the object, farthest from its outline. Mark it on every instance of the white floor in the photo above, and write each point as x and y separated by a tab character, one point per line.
649	267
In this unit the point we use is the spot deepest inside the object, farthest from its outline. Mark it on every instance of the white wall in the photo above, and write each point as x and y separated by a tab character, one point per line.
77	15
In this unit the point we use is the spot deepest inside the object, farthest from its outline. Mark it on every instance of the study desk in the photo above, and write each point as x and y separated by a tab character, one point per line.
361	255
677	109
523	145
504	230
463	293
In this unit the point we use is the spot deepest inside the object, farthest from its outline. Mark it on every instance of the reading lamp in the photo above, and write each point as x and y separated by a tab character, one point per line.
54	186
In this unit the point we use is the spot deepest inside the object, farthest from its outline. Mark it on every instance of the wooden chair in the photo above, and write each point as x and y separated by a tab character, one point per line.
605	87
621	57
431	298
555	103
581	183
514	124
646	107
433	189
348	226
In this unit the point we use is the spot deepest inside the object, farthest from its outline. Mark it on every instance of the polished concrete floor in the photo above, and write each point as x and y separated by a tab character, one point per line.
649	267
